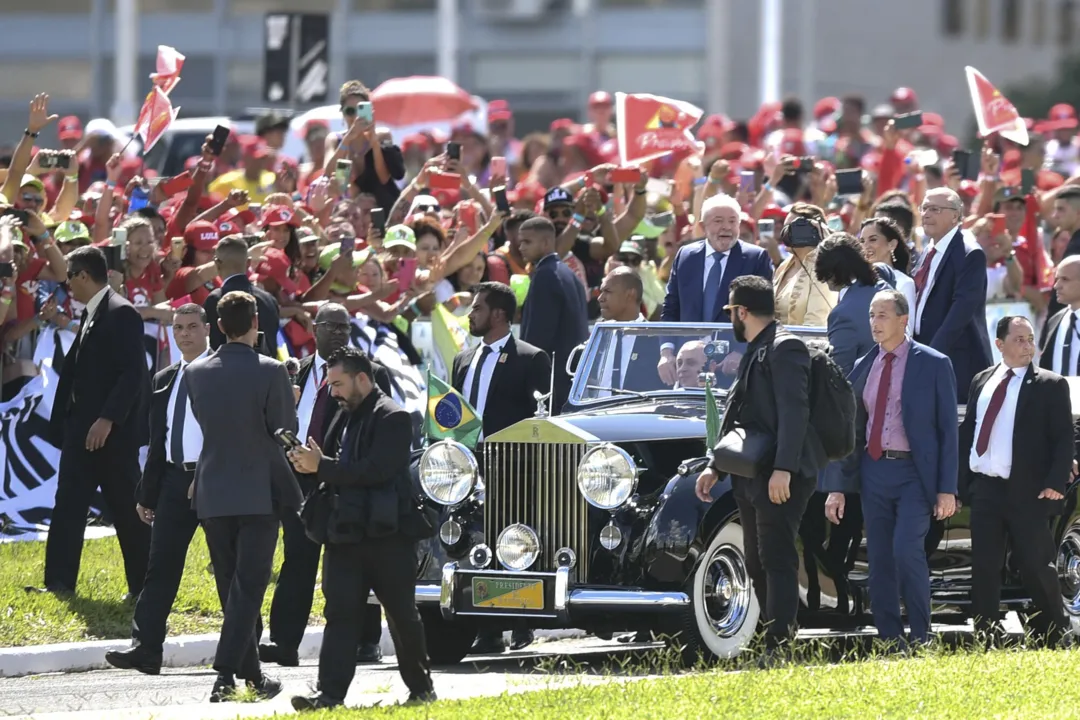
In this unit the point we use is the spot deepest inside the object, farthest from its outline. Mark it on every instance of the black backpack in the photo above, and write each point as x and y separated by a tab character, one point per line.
832	402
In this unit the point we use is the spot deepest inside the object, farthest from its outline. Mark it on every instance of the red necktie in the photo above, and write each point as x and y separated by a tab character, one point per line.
318	412
873	447
923	275
992	410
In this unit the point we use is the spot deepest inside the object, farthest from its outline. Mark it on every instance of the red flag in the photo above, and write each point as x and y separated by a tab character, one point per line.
993	111
650	126
155	117
169	63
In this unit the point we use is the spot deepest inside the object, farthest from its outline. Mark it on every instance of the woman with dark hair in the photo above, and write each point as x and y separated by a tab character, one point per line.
842	265
883	242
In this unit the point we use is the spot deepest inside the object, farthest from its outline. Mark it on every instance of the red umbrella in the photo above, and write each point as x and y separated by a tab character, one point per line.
419	99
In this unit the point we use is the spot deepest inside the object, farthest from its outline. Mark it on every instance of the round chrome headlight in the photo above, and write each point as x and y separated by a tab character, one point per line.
607	477
518	547
448	472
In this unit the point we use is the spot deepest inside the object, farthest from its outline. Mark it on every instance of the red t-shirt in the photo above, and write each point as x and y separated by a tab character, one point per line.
140	291
26	288
178	287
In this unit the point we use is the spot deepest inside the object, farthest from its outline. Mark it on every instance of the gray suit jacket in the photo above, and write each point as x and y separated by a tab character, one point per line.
849	321
240	398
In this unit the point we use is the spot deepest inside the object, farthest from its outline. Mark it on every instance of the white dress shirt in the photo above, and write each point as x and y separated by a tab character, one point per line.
941	247
193	437
712	258
1059	345
307	397
485	374
997	461
624	360
91	308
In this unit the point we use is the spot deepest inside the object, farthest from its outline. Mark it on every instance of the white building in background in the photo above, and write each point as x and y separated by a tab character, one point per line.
546	56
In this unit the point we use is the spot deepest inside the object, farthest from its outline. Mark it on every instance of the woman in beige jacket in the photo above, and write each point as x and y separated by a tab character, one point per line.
800	298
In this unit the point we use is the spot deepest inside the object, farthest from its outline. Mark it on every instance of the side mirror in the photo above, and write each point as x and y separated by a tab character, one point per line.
574	359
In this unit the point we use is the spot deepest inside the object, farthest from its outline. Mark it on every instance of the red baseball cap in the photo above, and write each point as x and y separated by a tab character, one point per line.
254	146
903	96
600	97
562	124
933	118
69	128
499	110
1061	117
416	140
275	266
280	215
315	125
202	235
826	106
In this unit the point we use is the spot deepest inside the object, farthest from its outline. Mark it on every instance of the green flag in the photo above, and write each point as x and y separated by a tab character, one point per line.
712	419
449	416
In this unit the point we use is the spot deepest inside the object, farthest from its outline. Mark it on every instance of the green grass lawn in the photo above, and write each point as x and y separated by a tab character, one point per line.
97	611
942	686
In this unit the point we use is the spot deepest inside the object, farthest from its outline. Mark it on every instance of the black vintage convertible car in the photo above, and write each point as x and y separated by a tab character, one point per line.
589	519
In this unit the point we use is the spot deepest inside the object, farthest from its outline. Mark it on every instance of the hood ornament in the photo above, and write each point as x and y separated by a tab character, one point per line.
542	410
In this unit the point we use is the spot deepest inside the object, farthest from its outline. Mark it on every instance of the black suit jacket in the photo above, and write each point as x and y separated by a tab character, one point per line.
772	396
1071	248
374	485
513	381
1048	339
104	375
382	376
149	488
269	315
555	318
1043	447
641	372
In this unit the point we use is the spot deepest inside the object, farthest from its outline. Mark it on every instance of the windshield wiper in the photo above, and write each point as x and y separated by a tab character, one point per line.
618	391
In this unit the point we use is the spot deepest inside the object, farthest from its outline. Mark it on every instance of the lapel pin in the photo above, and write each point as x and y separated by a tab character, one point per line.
502	357
633	356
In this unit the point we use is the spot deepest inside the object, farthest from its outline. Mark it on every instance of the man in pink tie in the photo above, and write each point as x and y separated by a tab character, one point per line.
904	465
1016	451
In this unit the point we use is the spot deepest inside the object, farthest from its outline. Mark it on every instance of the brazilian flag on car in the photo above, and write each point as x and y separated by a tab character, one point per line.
449	417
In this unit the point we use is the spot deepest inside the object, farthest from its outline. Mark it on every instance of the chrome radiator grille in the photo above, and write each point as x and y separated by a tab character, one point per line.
536	484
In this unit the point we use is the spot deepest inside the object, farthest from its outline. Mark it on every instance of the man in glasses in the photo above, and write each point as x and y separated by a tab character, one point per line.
950	290
291	606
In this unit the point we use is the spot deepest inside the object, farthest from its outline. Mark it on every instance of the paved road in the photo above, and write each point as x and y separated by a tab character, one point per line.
183	692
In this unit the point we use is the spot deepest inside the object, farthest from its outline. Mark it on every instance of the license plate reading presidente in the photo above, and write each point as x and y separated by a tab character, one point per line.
507	594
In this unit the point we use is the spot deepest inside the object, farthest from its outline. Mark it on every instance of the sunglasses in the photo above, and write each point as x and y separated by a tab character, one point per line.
555	213
36	199
72	274
629	259
348	110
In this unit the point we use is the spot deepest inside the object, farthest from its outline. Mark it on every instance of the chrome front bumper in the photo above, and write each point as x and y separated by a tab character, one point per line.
567	602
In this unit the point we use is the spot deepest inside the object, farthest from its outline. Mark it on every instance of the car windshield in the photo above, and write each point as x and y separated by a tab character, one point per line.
621	359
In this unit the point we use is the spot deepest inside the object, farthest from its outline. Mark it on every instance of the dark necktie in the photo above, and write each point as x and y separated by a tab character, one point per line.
318	411
474	391
992	410
923	276
616	367
179	414
1066	349
712	286
873	445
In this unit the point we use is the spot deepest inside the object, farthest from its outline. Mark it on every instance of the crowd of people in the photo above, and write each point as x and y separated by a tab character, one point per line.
284	254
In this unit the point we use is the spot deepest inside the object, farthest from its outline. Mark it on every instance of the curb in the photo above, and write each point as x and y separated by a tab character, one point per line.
180	651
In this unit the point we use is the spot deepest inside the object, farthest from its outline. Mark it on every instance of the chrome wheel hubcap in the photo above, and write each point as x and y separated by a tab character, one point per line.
726	590
1068	567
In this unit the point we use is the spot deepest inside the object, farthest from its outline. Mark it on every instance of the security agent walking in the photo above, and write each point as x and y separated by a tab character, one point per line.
162	495
371	530
772	396
499	378
99	421
904	464
231	257
242	483
1016	451
295	588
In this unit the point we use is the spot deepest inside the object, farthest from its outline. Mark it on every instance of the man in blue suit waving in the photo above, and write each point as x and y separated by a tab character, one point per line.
906	456
697	290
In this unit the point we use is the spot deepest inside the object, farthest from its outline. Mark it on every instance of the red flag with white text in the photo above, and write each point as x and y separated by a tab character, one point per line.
993	111
650	126
169	64
155	117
